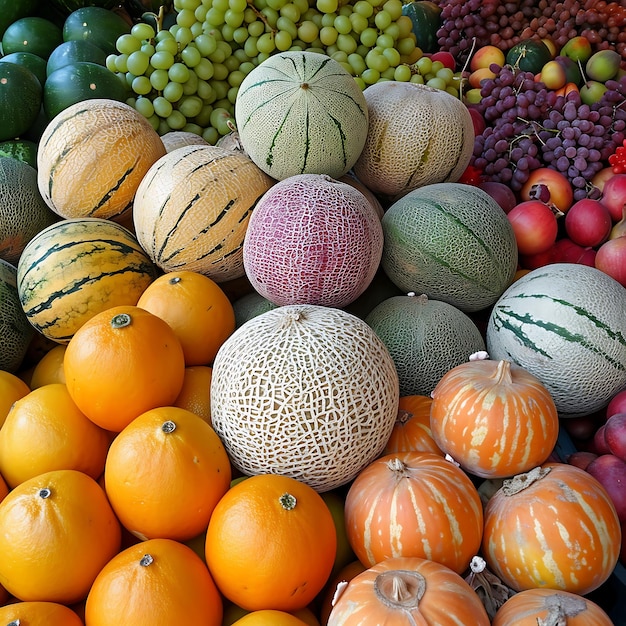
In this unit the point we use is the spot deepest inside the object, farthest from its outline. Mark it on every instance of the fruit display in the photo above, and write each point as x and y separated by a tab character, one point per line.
312	312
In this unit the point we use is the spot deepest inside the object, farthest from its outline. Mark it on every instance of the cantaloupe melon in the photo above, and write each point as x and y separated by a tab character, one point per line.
301	112
566	324
305	391
417	136
312	240
452	242
426	338
192	209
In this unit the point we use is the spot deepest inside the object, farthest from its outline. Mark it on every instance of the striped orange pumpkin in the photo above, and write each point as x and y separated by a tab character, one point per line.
494	418
554	527
414	504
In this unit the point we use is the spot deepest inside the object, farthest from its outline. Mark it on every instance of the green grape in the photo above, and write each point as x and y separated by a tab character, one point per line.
387	74
127	79
218	56
368	37
376	61
221	88
357	62
231	62
405	25
262	56
141	85
162	106
173	92
393	30
238	5
120	63
370	76
328	35
154	121
163	127
270	15
302	6
193	128
362	50
110	62
283	40
393	56
203	118
417	78
285	24
233	18
190	106
197	29
240	55
127	43
424	66
405	46
256	29
214	16
328	19
402	73
200	13
384	41
436	66
330	50
221	72
291	12
249	16
204	69
178	73
360	82
327	6
250	47
308	31
131	101
246	67
437	83
364	8
228	33
144	106
342	24
375	3
359	22
221	120
190	55
382	19
222	5
176	120
446	74
266	43
205	91
394	8
167	45
143	32
138	62
346	43
276	5
452	90
206	44
148	48
189	5
235	78
210	135
162	35
240	34
184	35
186	18
340	56
158	79
191	86
232	95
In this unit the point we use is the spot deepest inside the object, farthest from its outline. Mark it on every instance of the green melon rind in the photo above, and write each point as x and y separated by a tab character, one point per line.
451	242
566	324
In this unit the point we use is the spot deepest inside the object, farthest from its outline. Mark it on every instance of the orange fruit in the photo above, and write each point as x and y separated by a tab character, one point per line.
269	617
271	543
233	613
195	396
164	474
121	363
39	614
49	368
198	310
4	488
159	582
12	388
345	574
46	431
57	531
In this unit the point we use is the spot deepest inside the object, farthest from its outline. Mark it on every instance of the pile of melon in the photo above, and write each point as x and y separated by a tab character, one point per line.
361	271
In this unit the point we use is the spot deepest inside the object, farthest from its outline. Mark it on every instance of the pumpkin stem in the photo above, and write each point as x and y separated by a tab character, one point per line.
561	608
503	373
400	589
403	417
518	483
493	593
287	501
121	320
397	467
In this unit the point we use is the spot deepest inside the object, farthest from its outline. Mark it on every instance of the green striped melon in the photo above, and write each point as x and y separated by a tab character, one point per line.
192	208
566	324
301	112
77	268
452	242
15	331
426	338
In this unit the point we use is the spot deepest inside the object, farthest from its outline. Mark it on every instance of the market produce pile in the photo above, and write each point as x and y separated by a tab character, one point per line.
312	312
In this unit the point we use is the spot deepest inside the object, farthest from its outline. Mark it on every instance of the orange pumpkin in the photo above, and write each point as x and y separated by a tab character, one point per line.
159	582
494	418
554	527
414	504
551	608
412	428
38	614
407	591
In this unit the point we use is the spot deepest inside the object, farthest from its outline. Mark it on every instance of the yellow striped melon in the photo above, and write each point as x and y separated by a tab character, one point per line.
92	157
566	324
452	242
77	268
15	331
192	208
301	112
417	136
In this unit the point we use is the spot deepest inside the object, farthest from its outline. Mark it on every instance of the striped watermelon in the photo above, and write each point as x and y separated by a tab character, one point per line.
301	112
566	324
76	268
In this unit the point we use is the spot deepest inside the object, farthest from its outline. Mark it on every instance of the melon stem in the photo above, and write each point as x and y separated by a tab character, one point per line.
402	590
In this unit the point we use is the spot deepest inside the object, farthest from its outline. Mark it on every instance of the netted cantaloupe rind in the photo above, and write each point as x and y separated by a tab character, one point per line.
304	391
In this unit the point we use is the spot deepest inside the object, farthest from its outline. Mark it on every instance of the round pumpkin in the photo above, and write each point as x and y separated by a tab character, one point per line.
192	210
554	527
414	504
417	136
312	240
451	242
425	337
301	112
565	324
306	391
92	157
405	591
494	418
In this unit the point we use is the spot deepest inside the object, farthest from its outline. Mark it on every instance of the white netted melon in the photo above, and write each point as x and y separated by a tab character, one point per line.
301	112
312	240
566	324
192	208
304	391
426	338
417	136
452	242
178	138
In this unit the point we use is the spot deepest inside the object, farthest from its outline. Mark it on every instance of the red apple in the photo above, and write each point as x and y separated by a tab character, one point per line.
561	191
534	225
614	196
588	222
610	472
581	458
617	404
445	57
500	192
611	259
615	435
478	120
599	442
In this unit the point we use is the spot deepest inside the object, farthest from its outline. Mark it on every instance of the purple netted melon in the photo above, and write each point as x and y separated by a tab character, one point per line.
312	239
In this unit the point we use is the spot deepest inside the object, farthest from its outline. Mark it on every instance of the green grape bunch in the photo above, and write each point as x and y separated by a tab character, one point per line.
186	77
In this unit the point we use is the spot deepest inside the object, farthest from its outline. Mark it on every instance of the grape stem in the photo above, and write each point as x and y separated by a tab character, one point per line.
465	66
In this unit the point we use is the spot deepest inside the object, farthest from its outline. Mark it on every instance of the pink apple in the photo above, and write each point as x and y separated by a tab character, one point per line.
611	259
614	196
588	222
615	435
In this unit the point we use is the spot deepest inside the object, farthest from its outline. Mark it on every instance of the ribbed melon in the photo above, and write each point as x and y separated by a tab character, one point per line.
23	212
192	209
566	324
426	338
452	242
76	268
417	136
92	157
301	112
312	240
15	331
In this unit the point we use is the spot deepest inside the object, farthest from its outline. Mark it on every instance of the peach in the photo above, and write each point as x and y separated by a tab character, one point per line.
485	56
553	75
